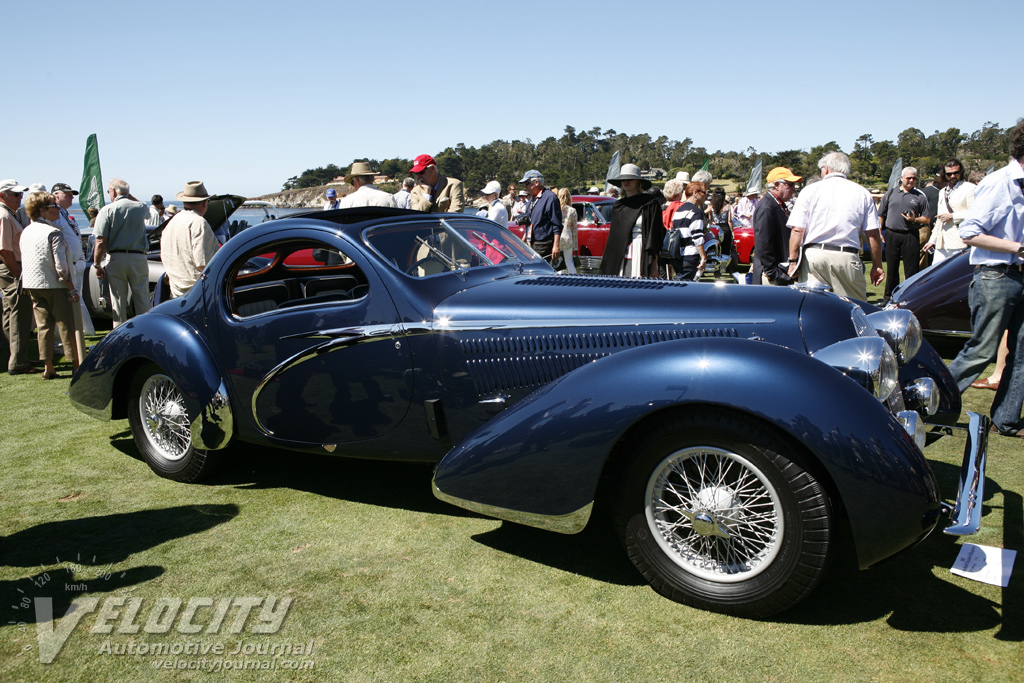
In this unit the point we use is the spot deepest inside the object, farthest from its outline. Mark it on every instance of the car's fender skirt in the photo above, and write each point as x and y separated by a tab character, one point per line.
543	456
100	387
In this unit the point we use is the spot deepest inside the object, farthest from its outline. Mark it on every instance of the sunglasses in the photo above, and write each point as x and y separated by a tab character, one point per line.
50	206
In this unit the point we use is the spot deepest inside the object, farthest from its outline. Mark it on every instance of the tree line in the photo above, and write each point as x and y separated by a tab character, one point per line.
578	159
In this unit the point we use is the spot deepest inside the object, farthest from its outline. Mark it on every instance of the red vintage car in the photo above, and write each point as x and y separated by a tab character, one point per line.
595	216
744	240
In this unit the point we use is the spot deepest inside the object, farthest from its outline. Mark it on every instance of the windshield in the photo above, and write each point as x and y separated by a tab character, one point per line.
426	248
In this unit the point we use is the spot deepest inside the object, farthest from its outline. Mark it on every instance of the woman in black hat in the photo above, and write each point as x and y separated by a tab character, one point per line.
637	231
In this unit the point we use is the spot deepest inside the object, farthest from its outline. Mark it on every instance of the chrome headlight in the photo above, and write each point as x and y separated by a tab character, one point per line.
922	395
867	360
901	329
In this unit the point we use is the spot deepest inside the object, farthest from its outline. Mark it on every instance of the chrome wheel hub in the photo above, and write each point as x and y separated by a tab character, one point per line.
714	514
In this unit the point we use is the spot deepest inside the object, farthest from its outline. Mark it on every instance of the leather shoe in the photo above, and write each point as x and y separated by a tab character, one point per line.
994	430
23	370
985	384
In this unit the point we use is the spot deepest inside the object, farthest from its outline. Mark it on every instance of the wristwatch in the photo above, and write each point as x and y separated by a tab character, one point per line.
1020	249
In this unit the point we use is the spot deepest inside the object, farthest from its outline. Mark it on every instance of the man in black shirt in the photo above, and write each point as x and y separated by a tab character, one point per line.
903	211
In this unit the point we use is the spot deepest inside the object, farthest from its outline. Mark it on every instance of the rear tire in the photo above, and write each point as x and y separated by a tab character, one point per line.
160	427
719	513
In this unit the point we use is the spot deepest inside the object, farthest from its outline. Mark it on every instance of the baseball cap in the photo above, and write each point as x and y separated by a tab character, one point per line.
12	186
331	193
782	173
493	187
63	187
530	175
421	162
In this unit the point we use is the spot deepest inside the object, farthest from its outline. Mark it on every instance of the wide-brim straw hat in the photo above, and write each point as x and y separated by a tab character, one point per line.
630	172
359	169
194	191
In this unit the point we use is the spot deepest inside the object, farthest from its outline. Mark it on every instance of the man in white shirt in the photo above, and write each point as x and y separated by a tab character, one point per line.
994	230
188	243
330	199
495	209
360	176
954	201
157	214
403	198
64	195
826	227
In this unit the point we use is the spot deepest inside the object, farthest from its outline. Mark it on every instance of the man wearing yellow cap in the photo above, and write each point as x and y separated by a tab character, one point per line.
770	263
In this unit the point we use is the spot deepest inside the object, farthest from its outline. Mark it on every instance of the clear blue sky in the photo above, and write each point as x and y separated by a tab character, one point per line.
243	95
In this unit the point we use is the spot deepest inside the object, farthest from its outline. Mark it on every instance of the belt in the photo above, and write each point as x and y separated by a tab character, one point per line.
832	247
125	251
1018	267
898	232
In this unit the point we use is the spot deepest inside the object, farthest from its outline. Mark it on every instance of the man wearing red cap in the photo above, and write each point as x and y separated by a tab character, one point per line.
435	193
770	262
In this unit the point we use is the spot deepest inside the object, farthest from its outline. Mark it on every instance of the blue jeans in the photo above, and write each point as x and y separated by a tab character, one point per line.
996	297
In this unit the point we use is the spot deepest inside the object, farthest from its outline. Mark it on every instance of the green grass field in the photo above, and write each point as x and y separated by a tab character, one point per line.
389	584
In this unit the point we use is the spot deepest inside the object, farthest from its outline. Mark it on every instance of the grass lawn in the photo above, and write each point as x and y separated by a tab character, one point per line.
390	584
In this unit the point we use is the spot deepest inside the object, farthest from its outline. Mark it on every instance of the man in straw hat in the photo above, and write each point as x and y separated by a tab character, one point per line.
188	243
360	176
120	253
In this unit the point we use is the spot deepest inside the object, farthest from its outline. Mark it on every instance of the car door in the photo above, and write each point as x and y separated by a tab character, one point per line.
313	343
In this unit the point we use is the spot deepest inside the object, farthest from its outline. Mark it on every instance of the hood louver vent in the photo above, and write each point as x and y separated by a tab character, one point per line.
522	362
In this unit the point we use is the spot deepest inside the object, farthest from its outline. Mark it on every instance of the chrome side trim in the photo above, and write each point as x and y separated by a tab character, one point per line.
966	513
571	523
335	339
215	425
442	325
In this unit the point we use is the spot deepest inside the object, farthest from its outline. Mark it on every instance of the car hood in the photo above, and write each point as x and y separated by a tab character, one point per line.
559	301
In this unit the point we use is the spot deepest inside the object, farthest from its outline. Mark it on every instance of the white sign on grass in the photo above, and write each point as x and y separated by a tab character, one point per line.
985	563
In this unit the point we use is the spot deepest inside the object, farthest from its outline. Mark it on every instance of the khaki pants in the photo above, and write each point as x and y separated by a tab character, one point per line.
53	306
128	275
843	272
17	319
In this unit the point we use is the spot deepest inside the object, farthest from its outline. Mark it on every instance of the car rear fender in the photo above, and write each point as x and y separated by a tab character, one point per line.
100	388
539	462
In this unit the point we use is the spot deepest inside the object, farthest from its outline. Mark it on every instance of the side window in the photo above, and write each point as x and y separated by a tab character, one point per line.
293	273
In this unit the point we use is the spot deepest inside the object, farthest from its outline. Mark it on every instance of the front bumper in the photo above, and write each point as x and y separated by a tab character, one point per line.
965	513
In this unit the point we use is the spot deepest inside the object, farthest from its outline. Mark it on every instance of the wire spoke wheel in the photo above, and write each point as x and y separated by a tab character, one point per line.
718	511
161	428
166	422
714	514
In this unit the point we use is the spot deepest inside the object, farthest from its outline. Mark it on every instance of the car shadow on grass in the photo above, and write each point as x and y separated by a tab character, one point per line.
78	556
914	588
595	552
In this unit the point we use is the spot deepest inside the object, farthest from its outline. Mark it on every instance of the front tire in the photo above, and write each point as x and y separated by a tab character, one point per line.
719	513
160	427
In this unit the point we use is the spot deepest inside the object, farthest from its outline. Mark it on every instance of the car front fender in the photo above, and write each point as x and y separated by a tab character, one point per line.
100	387
539	461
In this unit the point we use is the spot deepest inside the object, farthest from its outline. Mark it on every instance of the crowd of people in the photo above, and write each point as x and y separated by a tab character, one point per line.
814	235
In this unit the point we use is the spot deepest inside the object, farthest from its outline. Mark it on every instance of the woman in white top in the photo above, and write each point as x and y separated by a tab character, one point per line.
46	275
569	240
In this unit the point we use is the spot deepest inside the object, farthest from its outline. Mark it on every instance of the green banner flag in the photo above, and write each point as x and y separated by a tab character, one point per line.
707	160
91	189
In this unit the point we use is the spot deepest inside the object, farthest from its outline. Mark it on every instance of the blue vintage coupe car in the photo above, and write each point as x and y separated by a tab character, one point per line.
729	431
